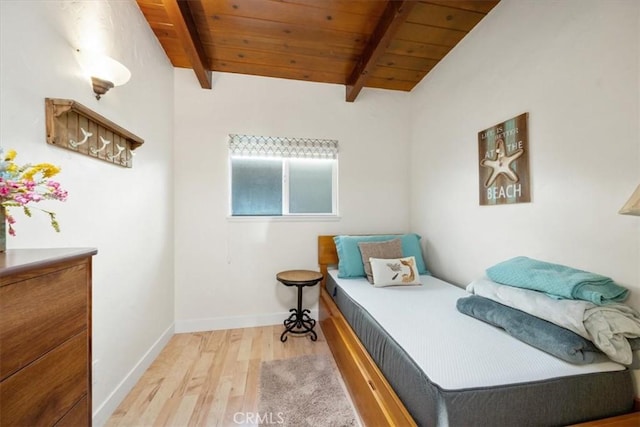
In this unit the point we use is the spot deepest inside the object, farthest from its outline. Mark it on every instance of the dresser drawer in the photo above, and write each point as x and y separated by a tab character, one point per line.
47	389
78	416
40	313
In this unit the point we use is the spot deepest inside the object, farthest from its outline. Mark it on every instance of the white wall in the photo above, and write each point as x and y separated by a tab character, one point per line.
125	213
407	161
225	269
574	66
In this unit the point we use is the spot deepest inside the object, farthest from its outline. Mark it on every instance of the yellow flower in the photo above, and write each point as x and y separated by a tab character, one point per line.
48	170
11	154
29	173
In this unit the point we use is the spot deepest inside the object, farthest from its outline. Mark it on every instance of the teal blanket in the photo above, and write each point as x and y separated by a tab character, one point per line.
557	280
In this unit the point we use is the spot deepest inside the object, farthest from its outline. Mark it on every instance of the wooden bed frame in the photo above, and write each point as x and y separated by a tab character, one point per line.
374	398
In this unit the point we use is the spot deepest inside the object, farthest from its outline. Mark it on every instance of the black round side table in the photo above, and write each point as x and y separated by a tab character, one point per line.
299	322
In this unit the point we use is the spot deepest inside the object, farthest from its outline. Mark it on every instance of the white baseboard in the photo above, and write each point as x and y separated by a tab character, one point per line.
233	322
106	408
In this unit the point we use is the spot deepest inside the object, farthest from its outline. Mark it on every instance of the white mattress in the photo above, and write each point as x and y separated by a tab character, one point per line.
454	350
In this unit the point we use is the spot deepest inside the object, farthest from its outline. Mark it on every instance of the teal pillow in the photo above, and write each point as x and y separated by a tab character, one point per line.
350	257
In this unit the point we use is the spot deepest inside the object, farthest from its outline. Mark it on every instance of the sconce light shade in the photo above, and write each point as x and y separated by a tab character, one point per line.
100	86
105	72
632	207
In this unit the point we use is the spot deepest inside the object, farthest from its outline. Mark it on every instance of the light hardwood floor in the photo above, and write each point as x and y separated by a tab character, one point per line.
203	379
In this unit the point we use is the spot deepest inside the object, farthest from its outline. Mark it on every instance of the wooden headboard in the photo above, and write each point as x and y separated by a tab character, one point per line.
327	254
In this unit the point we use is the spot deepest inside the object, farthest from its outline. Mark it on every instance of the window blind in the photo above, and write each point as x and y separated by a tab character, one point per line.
275	146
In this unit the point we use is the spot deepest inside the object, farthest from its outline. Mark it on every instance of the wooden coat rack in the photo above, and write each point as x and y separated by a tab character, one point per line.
75	127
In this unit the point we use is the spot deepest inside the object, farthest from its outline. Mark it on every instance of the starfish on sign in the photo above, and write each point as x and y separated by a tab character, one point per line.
501	164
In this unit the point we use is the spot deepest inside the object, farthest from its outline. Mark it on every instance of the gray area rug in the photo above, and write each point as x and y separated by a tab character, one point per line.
303	392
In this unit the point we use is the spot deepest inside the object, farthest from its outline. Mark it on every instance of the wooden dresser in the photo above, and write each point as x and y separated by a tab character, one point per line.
45	337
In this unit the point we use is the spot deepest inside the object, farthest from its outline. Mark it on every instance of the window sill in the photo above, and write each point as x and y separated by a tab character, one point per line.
285	218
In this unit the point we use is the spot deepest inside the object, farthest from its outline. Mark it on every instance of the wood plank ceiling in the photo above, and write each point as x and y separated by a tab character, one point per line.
358	43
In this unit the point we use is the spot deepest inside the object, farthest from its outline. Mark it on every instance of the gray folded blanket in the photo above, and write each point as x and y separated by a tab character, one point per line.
555	340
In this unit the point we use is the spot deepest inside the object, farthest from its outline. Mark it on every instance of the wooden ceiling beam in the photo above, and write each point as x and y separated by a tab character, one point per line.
185	28
394	15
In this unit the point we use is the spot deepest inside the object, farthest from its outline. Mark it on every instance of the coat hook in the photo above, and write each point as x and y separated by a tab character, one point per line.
120	148
104	145
87	135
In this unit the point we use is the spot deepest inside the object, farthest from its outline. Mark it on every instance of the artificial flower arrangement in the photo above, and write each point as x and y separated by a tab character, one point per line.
22	185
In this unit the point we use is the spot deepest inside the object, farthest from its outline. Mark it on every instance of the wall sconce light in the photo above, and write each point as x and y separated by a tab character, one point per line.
105	72
632	207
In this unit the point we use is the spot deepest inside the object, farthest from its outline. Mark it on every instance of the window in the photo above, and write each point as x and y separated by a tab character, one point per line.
272	176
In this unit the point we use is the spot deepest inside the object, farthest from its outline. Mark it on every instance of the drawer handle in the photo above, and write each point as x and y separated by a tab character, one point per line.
373	387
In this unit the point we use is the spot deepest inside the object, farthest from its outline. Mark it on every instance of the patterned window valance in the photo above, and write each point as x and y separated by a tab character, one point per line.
274	146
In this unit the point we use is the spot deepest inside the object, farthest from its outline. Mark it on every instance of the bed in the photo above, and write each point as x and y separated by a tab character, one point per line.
390	385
